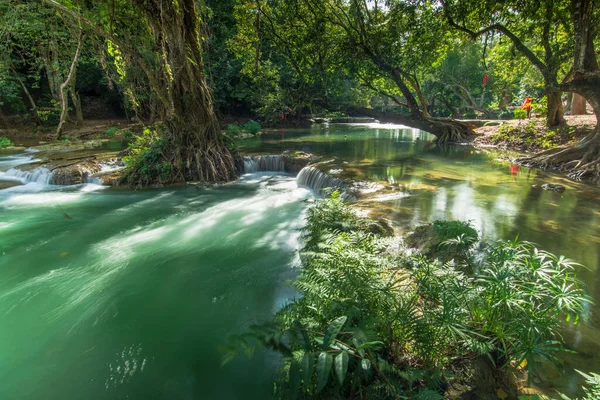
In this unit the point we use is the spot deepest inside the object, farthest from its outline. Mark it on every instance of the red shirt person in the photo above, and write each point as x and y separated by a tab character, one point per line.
527	106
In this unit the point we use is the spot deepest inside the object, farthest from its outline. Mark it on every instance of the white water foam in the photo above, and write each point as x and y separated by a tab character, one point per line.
40	175
270	163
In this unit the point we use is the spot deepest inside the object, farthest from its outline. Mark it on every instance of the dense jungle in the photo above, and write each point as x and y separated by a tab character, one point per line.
298	199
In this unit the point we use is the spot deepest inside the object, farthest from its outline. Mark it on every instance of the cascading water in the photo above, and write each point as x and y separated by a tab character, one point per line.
105	168
267	163
39	175
318	181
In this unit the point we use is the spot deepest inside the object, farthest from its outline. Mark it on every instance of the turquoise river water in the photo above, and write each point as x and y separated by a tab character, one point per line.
130	295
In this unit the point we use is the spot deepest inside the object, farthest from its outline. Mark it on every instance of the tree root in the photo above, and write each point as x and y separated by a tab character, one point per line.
579	162
448	131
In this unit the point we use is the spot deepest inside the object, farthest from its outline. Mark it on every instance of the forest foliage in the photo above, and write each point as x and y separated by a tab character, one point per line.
374	318
257	66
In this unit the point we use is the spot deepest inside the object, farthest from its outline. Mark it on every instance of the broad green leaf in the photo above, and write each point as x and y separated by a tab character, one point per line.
305	337
333	330
341	366
308	365
323	369
369	344
294	378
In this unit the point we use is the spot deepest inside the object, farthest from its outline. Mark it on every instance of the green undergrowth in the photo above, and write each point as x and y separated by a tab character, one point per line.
145	163
376	319
533	136
4	142
252	127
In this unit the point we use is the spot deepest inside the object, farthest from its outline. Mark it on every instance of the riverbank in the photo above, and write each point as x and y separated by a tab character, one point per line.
532	136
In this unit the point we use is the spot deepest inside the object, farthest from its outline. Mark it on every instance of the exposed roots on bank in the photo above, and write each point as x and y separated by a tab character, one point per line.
579	162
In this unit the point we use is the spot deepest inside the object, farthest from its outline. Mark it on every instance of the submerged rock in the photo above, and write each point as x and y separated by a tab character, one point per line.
103	171
74	174
554	188
8	184
294	161
106	178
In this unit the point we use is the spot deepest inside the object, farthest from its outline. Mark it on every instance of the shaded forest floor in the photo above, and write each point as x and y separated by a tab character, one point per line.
88	129
532	135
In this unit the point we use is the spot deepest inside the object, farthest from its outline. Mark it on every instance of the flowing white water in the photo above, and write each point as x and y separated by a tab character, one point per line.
11	161
131	291
320	182
39	175
267	163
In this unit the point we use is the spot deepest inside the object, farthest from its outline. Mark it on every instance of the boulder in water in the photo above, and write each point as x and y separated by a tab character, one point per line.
74	174
294	161
8	184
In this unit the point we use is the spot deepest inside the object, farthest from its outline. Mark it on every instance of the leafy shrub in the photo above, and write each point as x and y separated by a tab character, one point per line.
5	142
470	114
519	113
145	161
252	127
540	107
127	134
377	321
452	229
50	115
234	129
505	113
10	92
111	131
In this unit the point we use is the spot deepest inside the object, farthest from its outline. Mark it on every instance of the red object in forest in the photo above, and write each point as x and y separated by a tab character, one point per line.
282	116
526	104
514	171
485	79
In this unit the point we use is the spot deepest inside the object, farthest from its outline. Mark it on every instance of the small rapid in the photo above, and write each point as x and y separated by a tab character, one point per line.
321	182
39	175
265	163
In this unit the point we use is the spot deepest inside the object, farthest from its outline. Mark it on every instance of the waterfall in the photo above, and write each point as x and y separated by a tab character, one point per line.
94	180
39	175
318	181
105	170
263	163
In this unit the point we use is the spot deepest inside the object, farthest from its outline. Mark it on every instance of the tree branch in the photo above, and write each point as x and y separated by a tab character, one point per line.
128	50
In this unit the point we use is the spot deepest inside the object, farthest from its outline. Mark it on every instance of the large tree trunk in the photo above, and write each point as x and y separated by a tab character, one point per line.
50	58
578	105
194	148
445	130
195	151
581	161
555	114
76	99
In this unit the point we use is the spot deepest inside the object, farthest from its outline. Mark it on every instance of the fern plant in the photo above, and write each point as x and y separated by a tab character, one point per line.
374	320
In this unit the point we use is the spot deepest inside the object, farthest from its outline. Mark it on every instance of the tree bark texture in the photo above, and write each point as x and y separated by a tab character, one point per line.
578	105
581	161
195	147
555	114
64	99
76	99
